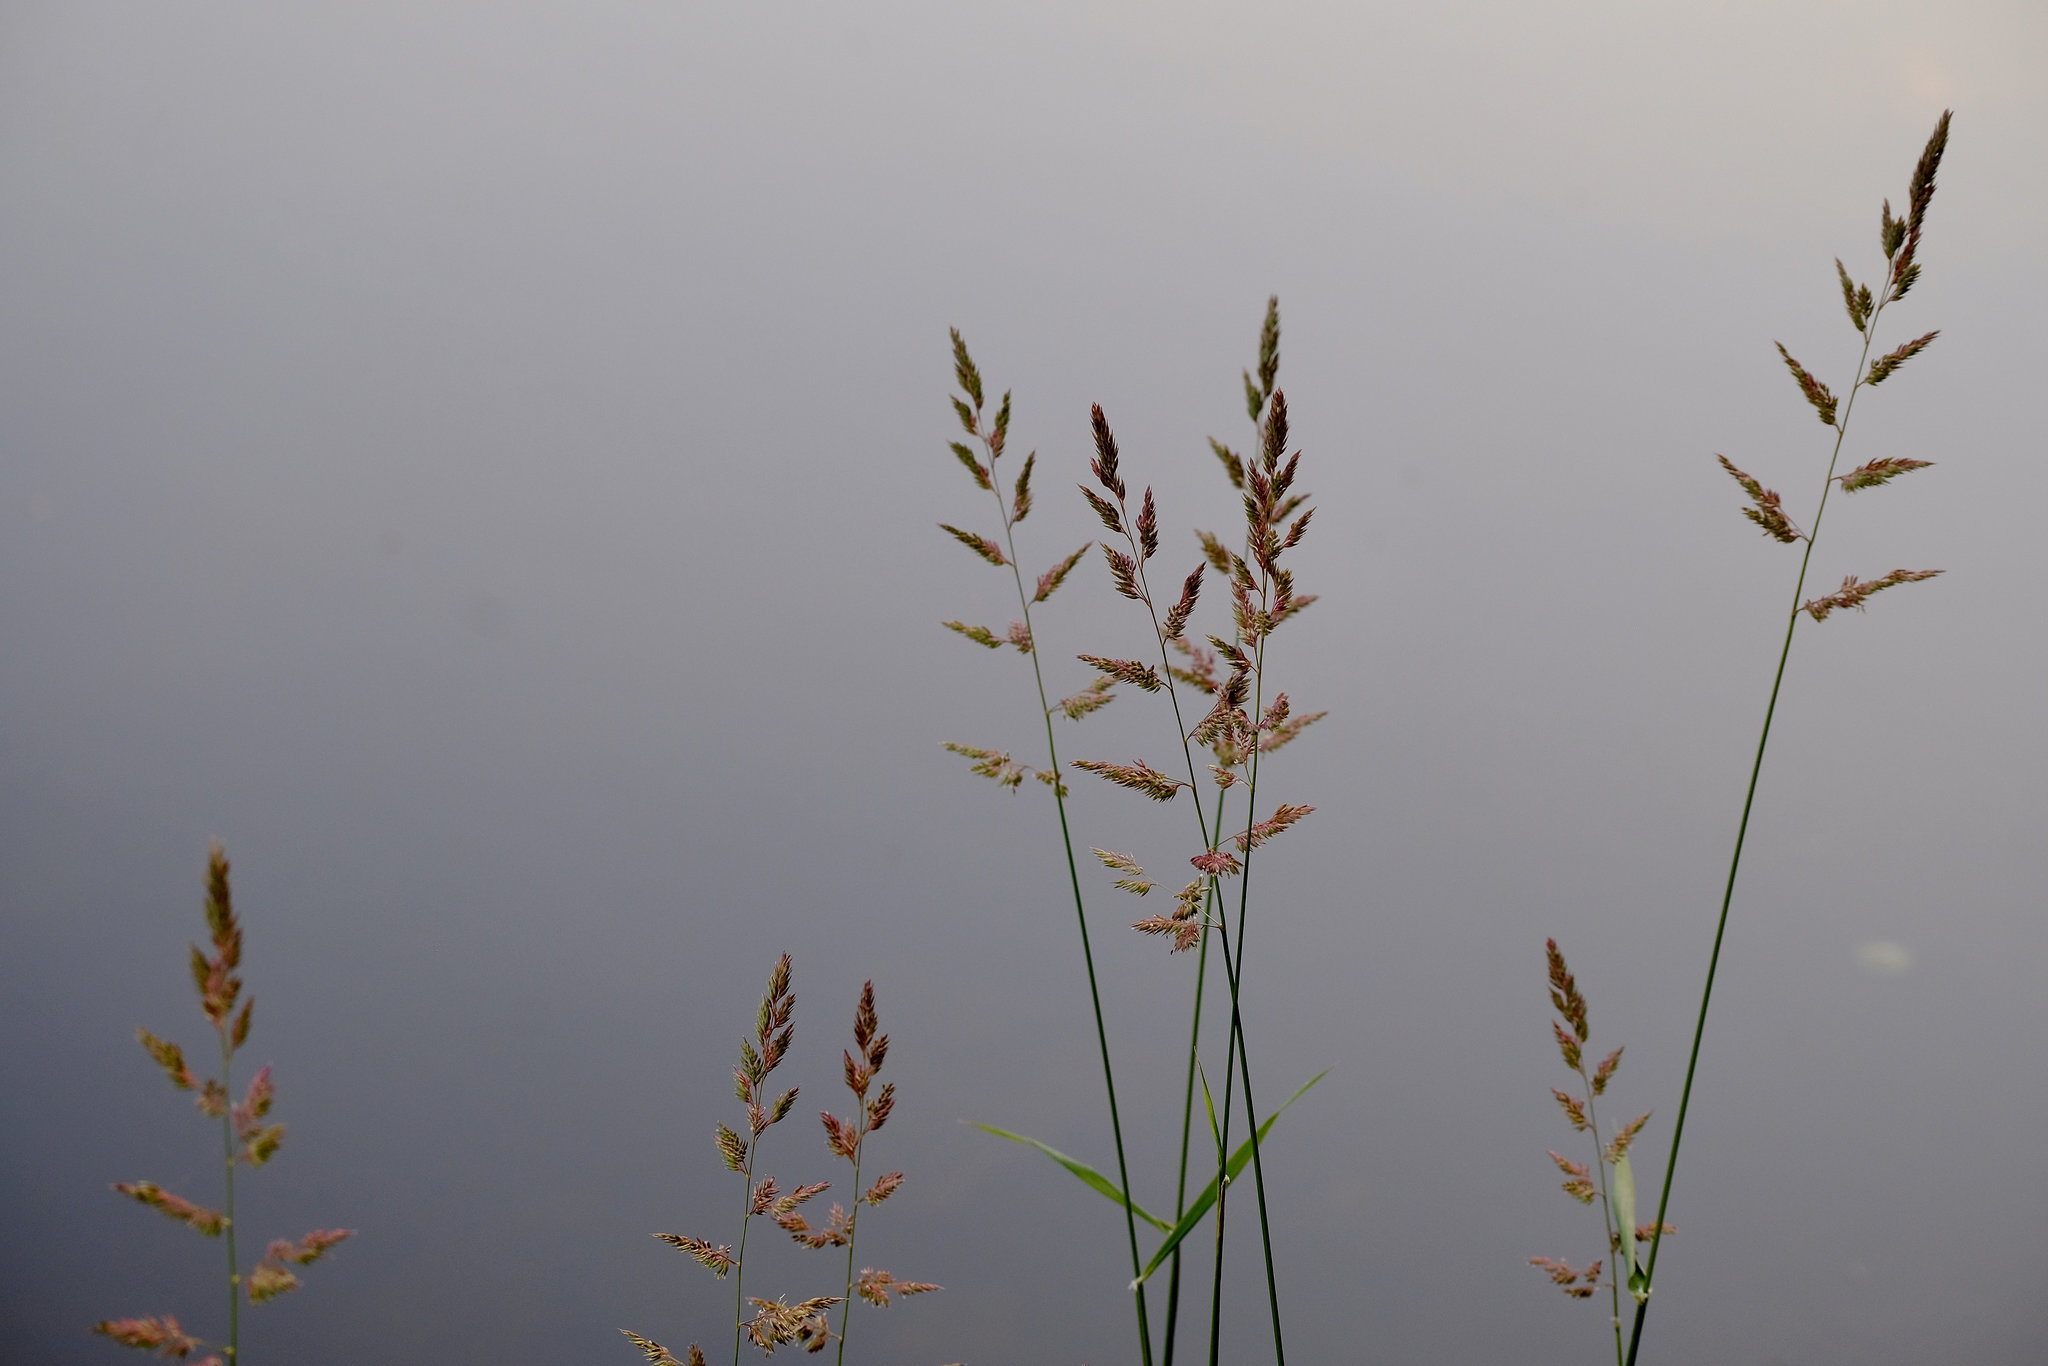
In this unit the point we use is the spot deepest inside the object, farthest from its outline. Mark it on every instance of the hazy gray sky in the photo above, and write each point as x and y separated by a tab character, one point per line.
481	461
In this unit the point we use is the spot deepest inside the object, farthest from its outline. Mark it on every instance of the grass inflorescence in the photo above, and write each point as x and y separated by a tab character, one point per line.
807	1322
1899	240
1241	718
248	1137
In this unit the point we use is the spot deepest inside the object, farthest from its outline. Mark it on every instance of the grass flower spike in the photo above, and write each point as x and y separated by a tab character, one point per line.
773	1323
1619	1266
783	1322
247	1138
847	1138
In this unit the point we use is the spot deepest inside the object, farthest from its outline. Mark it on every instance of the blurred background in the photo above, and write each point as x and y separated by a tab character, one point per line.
481	462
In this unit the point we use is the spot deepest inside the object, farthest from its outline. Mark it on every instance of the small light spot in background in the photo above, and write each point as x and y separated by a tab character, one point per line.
390	542
42	508
1883	957
1928	78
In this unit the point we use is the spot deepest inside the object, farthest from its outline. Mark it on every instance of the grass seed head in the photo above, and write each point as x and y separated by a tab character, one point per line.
1881	471
1855	592
876	1286
1574	1109
1605	1073
1217	554
1092	698
980	545
974	467
658	1355
1000	432
170	1058
1141	676
1177	615
1816	393
1269	347
1858	305
1293	725
1618	1146
208	1223
1567	1044
1233	464
718	1260
1051	579
1104	465
1139	777
980	635
1148	527
1020	501
161	1334
1884	366
1276	430
1768	511
964	372
1564	992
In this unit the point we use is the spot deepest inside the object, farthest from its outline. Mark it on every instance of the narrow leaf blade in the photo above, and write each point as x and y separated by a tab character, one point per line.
1090	1177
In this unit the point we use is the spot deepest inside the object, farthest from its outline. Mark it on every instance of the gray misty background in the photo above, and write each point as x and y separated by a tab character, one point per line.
481	462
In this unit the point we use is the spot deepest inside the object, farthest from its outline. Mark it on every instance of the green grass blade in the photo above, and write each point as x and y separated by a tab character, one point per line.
1215	1134
1201	1203
1089	1176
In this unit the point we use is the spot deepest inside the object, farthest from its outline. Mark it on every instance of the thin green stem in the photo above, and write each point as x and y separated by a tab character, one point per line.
1080	911
1234	963
739	1262
1210	899
1222	1147
1222	1194
1236	1052
1614	1245
852	1223
227	1137
1236	972
1742	833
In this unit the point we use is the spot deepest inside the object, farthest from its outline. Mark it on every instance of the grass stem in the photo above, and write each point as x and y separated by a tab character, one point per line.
227	1139
1742	834
1080	910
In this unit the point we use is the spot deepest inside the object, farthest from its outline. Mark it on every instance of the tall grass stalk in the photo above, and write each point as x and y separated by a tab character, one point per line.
1900	240
991	436
1262	597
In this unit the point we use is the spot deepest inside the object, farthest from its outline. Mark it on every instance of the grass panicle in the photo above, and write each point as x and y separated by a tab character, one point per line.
774	1323
990	436
1608	1180
782	1322
1234	723
847	1138
1262	596
248	1138
1899	238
